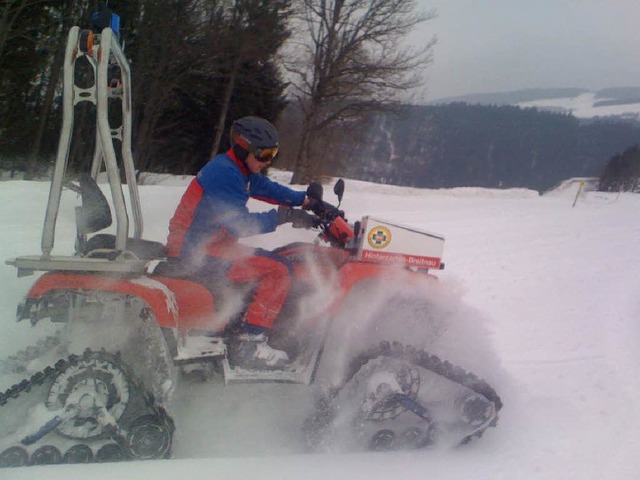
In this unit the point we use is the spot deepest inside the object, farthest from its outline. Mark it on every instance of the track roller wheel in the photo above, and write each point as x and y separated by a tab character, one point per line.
150	437
14	457
46	455
413	437
416	437
111	452
79	453
475	410
382	441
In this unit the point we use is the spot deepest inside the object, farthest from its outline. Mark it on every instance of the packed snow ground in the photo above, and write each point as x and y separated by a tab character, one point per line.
555	293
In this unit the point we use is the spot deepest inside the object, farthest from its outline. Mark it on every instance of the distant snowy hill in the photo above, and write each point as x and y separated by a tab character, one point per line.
623	103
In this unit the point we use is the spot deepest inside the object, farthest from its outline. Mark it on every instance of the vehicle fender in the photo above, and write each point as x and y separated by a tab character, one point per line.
355	272
174	302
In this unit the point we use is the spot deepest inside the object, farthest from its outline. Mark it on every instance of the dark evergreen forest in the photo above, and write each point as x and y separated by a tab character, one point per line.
489	146
622	172
197	65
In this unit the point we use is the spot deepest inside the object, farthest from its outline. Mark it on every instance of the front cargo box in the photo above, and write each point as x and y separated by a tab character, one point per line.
381	241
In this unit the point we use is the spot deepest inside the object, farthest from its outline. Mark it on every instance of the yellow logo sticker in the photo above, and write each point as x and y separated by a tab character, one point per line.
379	237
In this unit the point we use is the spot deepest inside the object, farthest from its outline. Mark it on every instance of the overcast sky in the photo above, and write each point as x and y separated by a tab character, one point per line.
501	45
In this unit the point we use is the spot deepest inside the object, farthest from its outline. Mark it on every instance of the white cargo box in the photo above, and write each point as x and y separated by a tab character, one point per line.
381	241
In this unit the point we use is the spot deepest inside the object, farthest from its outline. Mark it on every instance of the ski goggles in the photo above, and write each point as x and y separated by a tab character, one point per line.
265	155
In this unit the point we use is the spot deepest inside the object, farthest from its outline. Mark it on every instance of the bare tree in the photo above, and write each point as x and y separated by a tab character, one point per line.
352	64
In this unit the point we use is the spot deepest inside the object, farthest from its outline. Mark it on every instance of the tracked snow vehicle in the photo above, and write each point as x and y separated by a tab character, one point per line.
106	394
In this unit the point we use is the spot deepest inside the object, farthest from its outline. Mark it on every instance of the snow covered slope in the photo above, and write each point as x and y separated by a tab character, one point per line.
587	105
556	289
623	103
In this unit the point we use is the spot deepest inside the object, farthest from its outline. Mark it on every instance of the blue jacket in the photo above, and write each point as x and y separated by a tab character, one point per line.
214	207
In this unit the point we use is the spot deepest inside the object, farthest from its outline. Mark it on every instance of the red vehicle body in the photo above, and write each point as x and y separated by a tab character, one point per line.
184	309
188	305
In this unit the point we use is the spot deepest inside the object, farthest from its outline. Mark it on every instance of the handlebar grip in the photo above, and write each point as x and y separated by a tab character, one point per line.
326	211
341	230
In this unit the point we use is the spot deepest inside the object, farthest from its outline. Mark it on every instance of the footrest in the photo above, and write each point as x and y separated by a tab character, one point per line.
200	348
293	373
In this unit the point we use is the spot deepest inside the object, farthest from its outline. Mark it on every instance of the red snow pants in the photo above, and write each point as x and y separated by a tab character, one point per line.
269	270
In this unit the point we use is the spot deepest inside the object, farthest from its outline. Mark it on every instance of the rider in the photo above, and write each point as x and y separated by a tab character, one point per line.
212	215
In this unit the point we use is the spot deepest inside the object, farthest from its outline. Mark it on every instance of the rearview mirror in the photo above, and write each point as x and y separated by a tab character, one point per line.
338	189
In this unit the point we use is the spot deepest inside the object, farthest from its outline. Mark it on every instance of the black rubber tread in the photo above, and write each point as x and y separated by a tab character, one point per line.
429	362
51	372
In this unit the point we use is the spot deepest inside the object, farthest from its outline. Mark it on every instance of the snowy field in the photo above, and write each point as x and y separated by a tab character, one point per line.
584	106
557	292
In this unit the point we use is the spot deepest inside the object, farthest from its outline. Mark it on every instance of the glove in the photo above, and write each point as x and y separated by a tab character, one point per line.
312	204
297	218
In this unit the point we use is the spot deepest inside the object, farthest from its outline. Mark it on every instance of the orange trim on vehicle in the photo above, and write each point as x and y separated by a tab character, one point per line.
355	272
195	304
184	307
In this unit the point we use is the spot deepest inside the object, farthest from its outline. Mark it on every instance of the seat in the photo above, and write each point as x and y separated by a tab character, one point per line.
213	275
97	245
95	215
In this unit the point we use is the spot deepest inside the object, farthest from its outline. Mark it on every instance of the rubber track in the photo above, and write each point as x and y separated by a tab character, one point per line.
429	362
51	372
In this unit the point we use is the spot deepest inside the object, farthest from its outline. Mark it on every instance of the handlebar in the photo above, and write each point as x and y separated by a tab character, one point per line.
330	219
335	228
327	212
